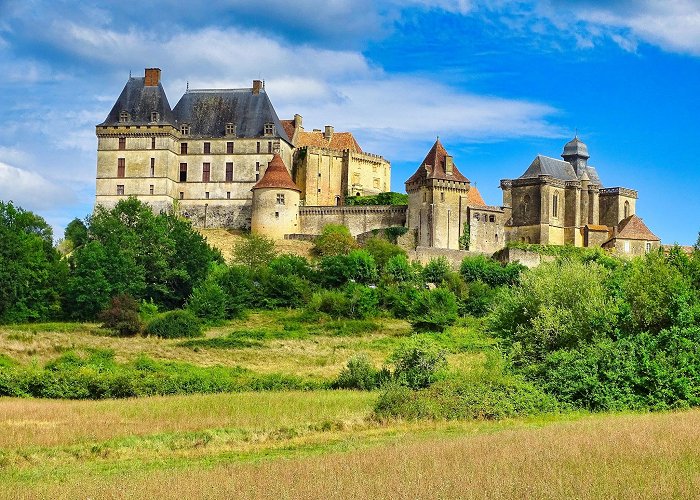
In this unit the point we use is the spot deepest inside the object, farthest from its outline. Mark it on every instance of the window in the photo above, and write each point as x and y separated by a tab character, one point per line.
374	168
425	197
555	205
206	172
280	198
258	147
269	146
492	218
627	209
183	148
526	204
337	201
121	167
182	195
355	178
183	172
151	189
123	117
120	189
207	148
442	196
228	195
230	129
153	167
269	128
257	167
206	195
627	246
229	171
648	246
476	217
185	129
496	237
229	147
153	143
155	116
277	215
376	184
257	177
122	143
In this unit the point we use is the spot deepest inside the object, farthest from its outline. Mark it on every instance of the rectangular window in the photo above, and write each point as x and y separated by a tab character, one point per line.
627	246
183	172
206	195
257	166
258	147
228	195
277	215
207	148
151	189
183	148
229	147
122	143
230	129
121	167
120	189
229	171
280	199
206	172
182	195
257	177
648	245
269	147
555	206
153	143
492	218
153	167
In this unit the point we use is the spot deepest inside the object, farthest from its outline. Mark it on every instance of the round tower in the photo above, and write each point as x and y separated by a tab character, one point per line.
275	210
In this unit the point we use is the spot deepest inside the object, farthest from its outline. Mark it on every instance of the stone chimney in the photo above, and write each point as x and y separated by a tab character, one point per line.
449	165
257	85
152	77
328	133
297	122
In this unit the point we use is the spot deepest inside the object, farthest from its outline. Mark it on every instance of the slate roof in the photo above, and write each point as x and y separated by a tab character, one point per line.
433	166
208	111
338	140
276	176
575	147
559	169
140	101
633	228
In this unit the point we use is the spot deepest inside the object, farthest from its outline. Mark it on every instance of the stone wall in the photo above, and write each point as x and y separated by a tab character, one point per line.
524	257
486	228
358	219
454	257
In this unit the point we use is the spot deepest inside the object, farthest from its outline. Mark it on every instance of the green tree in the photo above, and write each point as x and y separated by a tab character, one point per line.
436	270
254	251
76	232
434	310
335	239
382	251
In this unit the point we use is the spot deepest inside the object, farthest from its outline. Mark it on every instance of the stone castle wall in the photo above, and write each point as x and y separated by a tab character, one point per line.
358	219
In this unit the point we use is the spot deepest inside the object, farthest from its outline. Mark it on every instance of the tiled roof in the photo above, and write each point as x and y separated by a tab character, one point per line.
433	166
140	101
338	141
208	111
288	126
633	228
276	176
474	197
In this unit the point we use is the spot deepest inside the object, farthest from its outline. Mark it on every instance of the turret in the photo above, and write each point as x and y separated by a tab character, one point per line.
576	153
275	202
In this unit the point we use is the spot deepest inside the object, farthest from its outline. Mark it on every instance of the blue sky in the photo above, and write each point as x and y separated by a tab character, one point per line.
499	81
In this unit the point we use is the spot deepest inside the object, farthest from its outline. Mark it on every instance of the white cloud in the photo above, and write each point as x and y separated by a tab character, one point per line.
30	190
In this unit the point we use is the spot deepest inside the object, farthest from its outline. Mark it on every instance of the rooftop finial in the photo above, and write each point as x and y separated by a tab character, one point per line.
576	133
187	88
129	74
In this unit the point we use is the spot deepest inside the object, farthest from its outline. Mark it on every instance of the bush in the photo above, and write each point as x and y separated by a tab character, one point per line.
434	310
480	268
417	362
147	310
335	239
291	265
175	324
436	270
358	266
354	302
359	374
254	251
208	301
399	270
122	316
272	290
382	251
237	284
465	398
400	299
480	299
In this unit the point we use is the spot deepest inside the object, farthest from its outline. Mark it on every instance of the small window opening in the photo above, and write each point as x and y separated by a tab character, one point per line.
229	147
153	143
183	172
121	167
120	189
123	117
277	215
442	196
269	128
229	171
492	218
183	148
258	147
151	188
207	148
230	129
122	143
153	167
155	116
206	172
280	198
182	195
228	195
185	129
206	195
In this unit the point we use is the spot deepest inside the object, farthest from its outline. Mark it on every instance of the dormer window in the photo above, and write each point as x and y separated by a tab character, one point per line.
230	129
123	117
185	129
269	128
155	116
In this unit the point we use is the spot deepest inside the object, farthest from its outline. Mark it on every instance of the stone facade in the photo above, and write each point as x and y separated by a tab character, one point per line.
359	219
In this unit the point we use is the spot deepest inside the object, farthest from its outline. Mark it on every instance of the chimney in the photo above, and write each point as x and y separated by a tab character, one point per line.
328	133
152	77
449	165
257	85
297	121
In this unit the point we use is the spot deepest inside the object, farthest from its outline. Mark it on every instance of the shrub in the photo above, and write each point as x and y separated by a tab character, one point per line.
480	268
236	283
358	374
175	324
417	362
480	298
254	251
147	310
122	316
354	301
208	301
358	266
434	310
399	270
331	302
436	270
382	251
272	290
335	239
291	265
399	299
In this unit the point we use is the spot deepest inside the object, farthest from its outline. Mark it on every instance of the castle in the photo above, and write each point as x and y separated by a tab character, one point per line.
223	158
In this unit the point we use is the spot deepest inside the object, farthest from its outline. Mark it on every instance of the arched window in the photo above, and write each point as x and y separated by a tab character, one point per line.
526	204
627	209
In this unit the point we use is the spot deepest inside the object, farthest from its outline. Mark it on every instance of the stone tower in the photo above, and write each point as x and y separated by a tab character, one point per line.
275	209
437	200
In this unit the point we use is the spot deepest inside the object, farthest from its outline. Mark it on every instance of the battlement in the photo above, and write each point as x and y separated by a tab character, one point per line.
615	191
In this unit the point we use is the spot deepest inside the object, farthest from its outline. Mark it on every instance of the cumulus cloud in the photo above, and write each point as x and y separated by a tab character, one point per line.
31	190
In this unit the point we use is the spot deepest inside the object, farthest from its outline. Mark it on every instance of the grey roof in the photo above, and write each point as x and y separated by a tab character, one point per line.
208	111
575	147
140	101
559	169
